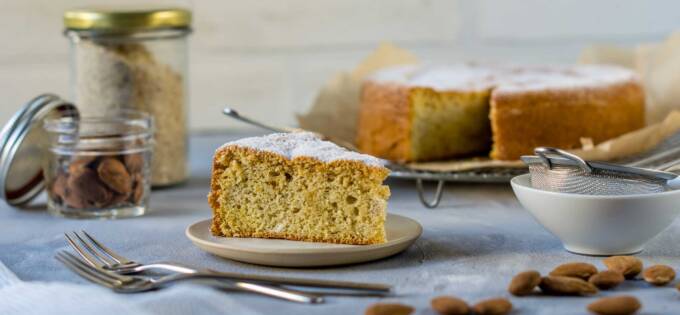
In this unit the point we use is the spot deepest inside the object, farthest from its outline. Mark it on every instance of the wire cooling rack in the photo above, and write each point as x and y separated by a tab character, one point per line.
484	175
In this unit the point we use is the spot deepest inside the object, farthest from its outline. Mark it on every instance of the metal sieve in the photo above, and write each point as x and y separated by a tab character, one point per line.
560	171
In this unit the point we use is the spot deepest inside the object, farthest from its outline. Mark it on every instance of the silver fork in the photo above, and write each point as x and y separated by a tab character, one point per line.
98	255
133	284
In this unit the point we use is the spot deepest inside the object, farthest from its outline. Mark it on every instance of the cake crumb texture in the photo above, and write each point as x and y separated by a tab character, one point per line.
297	187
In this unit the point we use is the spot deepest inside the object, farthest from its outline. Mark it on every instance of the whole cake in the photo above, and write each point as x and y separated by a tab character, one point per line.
412	113
295	186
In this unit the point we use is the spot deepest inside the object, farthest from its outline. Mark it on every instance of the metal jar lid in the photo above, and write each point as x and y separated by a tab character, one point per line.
122	19
23	144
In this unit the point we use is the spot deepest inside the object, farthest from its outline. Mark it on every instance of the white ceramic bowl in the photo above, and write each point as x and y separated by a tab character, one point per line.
599	225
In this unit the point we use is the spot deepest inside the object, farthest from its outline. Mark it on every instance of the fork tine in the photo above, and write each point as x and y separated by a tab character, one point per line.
102	257
99	271
118	258
83	253
77	268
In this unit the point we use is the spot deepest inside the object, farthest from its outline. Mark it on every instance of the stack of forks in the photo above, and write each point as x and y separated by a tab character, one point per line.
101	265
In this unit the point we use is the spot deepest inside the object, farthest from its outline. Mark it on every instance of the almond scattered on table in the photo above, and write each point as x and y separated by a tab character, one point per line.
450	305
389	309
575	270
615	305
659	275
524	283
607	279
557	285
629	266
496	306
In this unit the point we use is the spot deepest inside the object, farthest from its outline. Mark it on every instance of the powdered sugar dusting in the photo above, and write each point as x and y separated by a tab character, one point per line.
504	78
449	77
307	144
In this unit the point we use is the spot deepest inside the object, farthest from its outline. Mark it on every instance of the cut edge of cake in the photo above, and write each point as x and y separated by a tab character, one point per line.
297	187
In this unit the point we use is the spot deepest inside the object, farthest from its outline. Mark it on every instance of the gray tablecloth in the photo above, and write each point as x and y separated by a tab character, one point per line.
471	246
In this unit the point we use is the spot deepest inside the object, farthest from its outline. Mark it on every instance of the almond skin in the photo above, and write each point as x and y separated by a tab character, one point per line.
524	283
575	270
497	306
629	266
389	309
138	192
607	279
450	305
85	190
80	162
659	275
134	162
566	286
615	305
58	187
114	175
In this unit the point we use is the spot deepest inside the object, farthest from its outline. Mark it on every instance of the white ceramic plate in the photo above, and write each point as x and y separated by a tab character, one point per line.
401	233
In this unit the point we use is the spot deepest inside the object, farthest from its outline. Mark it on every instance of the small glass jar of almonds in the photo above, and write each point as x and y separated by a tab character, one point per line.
99	167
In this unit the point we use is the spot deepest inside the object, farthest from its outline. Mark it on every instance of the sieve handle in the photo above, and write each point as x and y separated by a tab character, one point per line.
543	152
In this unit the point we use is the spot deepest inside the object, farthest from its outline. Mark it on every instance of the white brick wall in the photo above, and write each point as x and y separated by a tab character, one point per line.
268	57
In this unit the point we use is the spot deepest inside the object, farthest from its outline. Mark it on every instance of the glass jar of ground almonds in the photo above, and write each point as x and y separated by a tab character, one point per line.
136	60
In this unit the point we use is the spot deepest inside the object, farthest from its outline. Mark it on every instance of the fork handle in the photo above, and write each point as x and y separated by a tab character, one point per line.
281	293
268	290
375	288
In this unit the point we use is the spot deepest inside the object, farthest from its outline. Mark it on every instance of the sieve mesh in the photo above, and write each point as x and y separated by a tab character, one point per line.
572	179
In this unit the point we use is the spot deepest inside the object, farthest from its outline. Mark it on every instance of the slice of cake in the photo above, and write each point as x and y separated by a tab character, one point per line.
295	186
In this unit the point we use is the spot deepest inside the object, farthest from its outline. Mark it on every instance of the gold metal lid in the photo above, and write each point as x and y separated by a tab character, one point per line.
121	19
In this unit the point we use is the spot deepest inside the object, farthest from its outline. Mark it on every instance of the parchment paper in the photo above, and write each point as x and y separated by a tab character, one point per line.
335	110
334	113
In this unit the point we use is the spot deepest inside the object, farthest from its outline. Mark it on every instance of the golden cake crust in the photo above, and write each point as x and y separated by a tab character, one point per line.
527	107
561	118
385	121
225	155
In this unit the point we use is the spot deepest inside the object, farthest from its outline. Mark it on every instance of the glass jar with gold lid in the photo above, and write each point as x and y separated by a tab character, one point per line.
135	59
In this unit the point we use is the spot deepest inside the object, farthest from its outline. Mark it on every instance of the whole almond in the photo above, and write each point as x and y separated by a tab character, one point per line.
659	275
497	306
138	190
615	305
556	285
80	162
629	266
58	187
524	283
134	162
606	279
114	175
450	305
389	309
575	270
85	190
76	201
118	199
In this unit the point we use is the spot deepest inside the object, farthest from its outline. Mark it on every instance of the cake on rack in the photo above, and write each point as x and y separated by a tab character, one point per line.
295	186
414	113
